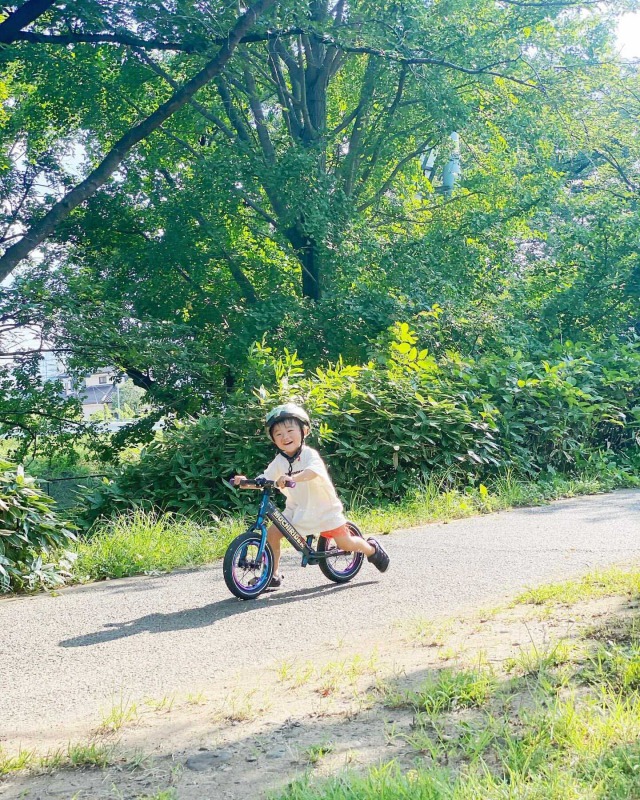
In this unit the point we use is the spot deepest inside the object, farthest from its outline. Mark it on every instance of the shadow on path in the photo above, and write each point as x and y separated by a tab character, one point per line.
203	616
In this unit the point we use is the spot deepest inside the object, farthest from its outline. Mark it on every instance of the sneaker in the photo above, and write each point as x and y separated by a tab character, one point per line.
380	559
276	581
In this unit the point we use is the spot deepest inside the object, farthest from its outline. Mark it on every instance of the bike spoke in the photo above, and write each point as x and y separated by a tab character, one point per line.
251	572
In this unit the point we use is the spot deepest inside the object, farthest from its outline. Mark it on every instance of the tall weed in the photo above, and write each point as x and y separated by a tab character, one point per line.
145	542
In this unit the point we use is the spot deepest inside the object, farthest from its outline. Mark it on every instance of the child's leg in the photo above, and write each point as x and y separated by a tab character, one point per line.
372	548
274	537
345	540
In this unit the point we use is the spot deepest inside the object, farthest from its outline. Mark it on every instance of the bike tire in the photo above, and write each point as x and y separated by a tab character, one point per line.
247	581
352	566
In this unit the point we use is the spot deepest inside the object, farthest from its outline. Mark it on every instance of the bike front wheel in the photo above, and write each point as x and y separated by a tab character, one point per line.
340	568
246	576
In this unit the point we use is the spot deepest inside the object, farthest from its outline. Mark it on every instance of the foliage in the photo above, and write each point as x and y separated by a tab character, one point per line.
288	199
391	424
557	406
132	400
35	415
32	538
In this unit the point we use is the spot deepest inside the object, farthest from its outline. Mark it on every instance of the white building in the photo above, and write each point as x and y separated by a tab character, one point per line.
95	391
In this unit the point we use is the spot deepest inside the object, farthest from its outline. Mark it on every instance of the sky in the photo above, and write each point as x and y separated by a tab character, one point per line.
629	35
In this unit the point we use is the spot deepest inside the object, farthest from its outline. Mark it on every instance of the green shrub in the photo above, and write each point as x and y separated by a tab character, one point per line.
396	422
32	537
383	427
567	403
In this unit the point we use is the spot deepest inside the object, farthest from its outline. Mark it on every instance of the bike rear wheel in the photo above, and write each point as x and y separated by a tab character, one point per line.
340	568
245	576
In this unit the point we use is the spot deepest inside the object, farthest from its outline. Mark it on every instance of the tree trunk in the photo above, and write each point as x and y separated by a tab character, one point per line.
308	254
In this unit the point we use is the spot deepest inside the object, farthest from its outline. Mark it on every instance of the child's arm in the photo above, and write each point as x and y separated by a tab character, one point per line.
298	477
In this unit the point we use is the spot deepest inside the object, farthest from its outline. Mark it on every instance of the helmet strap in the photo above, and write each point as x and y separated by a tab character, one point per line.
292	458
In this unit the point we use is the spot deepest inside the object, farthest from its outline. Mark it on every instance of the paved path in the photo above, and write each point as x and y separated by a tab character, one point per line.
64	658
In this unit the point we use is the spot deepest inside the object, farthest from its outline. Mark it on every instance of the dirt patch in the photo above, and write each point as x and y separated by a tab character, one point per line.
318	715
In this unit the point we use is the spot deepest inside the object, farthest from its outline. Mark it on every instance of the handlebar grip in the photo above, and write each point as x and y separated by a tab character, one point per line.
290	484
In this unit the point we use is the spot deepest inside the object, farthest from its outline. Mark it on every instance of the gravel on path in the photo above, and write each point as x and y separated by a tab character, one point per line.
66	658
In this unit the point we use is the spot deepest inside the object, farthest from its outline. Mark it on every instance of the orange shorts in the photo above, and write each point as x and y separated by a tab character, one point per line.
342	530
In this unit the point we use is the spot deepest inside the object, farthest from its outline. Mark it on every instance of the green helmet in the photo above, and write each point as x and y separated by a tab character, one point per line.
288	411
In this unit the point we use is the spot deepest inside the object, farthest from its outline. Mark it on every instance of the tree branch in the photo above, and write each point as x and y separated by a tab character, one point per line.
614	163
258	209
26	14
436	62
366	96
258	116
194	103
245	285
286	98
413	154
234	118
388	115
195	46
87	188
552	3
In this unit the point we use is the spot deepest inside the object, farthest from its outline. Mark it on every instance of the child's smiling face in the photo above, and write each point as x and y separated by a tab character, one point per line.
287	436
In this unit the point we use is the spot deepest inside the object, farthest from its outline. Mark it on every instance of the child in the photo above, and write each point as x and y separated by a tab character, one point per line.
312	506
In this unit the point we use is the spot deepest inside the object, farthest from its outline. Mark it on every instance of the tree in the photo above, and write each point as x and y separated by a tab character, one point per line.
38	232
287	199
284	85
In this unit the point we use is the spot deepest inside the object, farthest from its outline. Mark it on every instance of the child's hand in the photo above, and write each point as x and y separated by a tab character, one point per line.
281	482
237	478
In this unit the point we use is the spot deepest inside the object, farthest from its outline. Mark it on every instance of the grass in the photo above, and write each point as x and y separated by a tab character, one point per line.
243	706
448	690
76	755
196	699
148	543
24	759
329	678
316	752
437	502
602	583
423	632
564	750
121	714
535	660
563	725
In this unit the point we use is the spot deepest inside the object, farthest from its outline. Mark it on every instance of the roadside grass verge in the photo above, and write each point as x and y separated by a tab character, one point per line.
146	543
563	724
449	689
601	583
435	501
143	542
76	755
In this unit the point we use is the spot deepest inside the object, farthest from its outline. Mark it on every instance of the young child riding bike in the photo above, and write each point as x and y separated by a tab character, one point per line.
312	506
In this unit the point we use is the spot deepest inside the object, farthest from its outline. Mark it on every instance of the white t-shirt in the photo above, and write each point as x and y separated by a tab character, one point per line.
312	506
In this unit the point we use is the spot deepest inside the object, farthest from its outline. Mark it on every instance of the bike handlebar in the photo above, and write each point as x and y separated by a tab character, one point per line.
261	483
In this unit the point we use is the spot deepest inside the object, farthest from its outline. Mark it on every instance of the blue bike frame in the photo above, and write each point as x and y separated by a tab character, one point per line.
269	511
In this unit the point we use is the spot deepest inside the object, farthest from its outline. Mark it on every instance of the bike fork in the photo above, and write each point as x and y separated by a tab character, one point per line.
242	559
